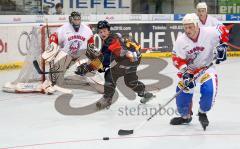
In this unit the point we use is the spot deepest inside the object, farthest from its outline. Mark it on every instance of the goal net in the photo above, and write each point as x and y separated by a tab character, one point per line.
30	81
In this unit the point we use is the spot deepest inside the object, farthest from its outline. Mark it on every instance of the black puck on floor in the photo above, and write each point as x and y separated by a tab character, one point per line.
106	138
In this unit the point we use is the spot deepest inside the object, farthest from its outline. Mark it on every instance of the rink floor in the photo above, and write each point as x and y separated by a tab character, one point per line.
32	121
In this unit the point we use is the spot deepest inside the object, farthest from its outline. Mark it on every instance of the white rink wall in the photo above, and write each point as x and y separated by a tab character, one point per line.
9	36
12	26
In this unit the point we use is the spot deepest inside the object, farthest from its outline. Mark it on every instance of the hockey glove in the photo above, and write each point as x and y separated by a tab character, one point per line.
188	80
132	56
221	53
104	69
82	69
101	70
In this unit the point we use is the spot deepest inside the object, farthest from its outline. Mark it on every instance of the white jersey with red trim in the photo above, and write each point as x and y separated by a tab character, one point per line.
210	21
200	52
72	42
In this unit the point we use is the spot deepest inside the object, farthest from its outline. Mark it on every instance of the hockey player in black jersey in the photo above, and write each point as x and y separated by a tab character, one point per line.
126	54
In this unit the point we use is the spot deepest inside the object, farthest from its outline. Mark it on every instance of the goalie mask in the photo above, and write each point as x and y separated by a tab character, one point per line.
75	20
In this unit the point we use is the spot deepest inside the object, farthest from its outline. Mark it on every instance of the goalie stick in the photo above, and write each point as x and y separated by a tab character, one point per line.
36	66
56	87
123	132
53	79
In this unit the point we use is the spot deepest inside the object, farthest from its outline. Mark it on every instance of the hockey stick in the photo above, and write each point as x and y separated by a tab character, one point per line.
61	89
123	132
36	66
95	84
145	50
48	33
50	63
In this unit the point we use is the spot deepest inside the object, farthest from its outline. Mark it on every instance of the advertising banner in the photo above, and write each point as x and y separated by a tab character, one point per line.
91	7
160	37
10	56
178	17
233	17
229	6
124	18
156	39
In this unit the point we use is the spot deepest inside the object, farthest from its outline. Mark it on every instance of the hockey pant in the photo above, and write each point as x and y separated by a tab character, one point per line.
128	71
208	89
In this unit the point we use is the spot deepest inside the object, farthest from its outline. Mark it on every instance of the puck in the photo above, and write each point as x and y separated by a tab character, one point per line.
105	138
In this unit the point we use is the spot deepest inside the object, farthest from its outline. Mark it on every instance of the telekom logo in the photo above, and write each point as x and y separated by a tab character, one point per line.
3	47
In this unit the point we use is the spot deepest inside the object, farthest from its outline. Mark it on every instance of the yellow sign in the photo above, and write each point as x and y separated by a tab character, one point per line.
9	66
169	54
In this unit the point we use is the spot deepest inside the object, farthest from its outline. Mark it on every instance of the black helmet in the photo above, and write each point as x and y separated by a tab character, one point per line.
75	15
103	24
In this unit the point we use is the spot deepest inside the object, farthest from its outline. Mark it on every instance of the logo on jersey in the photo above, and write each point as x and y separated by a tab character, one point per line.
76	37
195	50
74	46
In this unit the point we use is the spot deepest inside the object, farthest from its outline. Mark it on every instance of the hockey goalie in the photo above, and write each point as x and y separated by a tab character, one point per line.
69	45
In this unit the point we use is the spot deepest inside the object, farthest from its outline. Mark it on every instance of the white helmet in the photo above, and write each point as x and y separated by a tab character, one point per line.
190	18
202	5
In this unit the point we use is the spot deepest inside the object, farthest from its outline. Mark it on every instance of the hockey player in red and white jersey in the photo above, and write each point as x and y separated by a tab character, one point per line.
192	52
67	45
205	19
73	37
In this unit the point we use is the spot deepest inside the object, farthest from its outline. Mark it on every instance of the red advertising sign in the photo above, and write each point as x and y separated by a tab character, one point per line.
3	46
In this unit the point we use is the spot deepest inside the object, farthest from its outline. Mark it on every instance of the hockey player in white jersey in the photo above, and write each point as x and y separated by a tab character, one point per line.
205	19
192	52
67	45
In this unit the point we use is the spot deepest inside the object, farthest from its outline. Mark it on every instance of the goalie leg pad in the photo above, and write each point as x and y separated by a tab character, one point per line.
60	55
22	87
47	87
62	66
